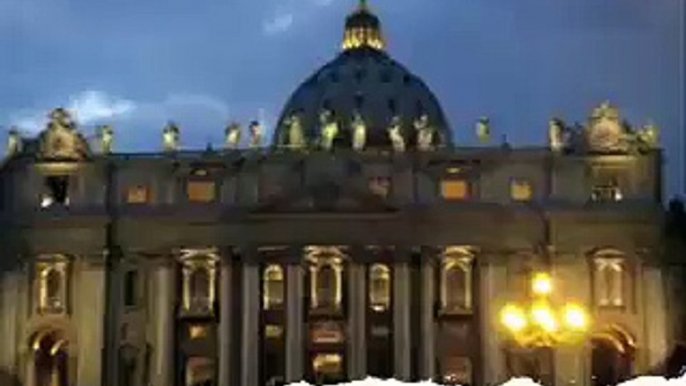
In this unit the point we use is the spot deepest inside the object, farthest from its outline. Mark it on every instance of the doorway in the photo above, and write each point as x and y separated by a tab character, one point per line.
51	360
612	358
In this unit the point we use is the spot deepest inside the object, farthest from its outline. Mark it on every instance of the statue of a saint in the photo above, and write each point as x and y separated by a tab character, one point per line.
232	136
170	136
649	136
106	135
296	137
60	118
425	133
256	134
556	134
359	132
14	142
329	129
483	129
395	135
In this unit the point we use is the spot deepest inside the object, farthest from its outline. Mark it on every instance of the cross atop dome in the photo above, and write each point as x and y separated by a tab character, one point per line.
363	30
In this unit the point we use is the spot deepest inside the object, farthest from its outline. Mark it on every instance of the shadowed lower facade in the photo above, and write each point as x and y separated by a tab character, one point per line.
363	241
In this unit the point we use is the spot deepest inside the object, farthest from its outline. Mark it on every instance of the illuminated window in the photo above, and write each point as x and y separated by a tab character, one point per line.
606	193
272	331
380	287
456	282
272	282
609	281
454	189
197	332
521	190
201	191
380	186
137	195
326	283
328	364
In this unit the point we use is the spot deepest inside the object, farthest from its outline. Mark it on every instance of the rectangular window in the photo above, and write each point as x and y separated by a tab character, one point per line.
521	190
201	191
137	195
454	189
606	193
130	288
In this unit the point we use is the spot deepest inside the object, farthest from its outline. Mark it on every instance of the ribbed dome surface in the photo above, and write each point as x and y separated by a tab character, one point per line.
365	81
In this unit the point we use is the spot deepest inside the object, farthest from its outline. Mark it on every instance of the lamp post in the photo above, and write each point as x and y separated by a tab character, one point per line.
540	323
538	326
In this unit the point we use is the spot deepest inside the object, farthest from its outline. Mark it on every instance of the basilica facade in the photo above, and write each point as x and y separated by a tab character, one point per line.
364	240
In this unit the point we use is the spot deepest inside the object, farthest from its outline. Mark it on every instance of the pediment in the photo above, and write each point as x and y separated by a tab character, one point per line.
327	197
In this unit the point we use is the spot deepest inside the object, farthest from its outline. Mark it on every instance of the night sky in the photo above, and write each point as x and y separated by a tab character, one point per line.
137	64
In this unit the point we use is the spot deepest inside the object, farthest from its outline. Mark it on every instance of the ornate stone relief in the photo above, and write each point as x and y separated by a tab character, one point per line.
61	140
425	133
395	134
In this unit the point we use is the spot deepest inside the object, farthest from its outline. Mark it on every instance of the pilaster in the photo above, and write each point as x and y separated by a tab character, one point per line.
225	319
493	284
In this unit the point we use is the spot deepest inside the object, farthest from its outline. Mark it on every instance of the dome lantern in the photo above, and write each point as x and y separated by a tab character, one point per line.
363	30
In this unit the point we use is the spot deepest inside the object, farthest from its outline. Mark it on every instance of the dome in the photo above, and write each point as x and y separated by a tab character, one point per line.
363	81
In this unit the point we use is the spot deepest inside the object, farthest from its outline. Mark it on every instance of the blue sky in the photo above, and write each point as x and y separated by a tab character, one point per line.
138	64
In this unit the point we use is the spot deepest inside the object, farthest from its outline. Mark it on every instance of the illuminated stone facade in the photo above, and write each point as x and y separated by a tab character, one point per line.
363	241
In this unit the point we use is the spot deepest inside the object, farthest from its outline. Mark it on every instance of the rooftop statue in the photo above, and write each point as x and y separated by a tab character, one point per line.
395	135
329	129
556	134
483	129
649	136
359	132
232	136
60	118
425	133
61	140
605	131
106	136
256	134
14	142
296	136
170	137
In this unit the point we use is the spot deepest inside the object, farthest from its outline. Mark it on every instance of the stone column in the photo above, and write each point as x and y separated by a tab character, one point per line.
493	286
401	318
295	353
427	364
163	295
356	356
572	280
89	304
225	317
250	337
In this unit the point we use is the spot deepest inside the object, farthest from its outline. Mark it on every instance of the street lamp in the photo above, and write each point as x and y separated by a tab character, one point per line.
540	324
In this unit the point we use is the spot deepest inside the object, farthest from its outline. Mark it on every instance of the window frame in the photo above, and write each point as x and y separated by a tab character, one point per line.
461	259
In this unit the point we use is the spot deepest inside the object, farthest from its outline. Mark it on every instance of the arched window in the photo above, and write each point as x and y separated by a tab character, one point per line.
199	283
51	285
380	287
272	282
456	282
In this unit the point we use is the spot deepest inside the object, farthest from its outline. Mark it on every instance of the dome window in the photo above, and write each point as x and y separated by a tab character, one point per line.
407	80
334	77
326	104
